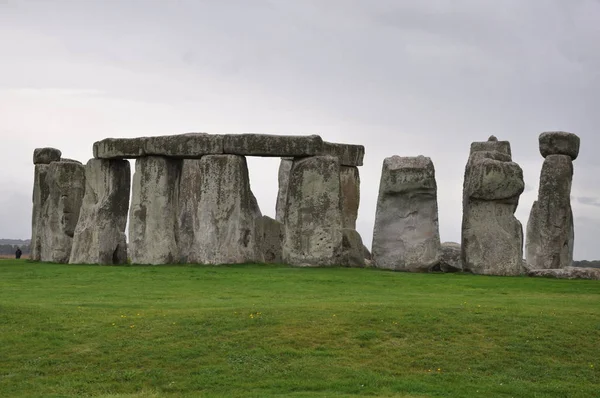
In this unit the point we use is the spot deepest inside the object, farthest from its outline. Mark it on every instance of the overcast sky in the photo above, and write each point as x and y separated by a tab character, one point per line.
410	77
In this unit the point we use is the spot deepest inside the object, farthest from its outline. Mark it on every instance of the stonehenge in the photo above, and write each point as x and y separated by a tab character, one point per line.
192	203
492	237
406	234
550	231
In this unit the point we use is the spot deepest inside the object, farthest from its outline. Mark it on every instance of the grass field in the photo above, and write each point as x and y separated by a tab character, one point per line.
256	330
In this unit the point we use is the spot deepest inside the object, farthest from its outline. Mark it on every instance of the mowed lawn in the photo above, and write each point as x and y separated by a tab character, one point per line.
257	330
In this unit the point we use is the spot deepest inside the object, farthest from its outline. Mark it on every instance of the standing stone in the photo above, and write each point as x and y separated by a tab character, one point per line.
550	231
270	235
100	233
352	253
350	195
406	234
218	213
283	178
41	191
313	216
492	237
153	215
60	212
450	260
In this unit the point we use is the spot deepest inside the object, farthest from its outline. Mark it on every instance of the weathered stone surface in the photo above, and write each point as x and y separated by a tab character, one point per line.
190	145
219	214
491	145
492	237
60	212
495	180
270	237
120	148
352	251
272	145
46	155
550	232
559	143
313	215
348	154
153	216
567	273
67	160
350	191
41	191
284	179
100	233
406	234
450	260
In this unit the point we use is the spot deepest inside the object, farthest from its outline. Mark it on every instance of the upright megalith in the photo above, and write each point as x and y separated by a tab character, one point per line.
313	216
41	191
492	237
46	155
284	180
350	195
153	225
550	231
65	185
100	233
406	234
218	213
270	237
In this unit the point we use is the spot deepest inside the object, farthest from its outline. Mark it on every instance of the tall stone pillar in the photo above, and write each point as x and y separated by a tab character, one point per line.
153	215
313	215
218	213
350	195
283	179
492	237
100	233
406	235
550	231
60	212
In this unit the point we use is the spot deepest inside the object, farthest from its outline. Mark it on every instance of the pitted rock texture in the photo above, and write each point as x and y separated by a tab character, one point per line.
100	233
218	212
190	145
550	231
270	237
46	155
567	273
313	215
406	234
348	155
284	179
41	191
491	145
60	212
272	145
559	143
350	191
153	215
492	237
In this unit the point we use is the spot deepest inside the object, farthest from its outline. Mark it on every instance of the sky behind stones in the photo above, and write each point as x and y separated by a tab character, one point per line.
412	77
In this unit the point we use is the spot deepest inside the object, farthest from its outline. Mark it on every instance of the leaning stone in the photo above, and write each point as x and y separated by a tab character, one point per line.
270	236
567	273
350	191
550	231
221	212
46	155
313	216
559	143
283	178
406	234
41	191
450	261
491	145
189	146
153	213
348	155
352	253
120	148
100	233
272	145
66	188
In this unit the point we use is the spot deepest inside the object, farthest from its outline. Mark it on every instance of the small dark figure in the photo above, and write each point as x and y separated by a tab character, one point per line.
18	253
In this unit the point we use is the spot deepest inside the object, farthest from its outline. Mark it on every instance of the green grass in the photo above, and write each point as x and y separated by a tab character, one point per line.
256	330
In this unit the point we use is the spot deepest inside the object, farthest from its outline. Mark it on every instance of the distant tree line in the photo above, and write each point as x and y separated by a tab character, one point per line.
587	264
10	249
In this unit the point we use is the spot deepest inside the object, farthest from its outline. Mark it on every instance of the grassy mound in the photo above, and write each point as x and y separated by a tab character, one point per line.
261	331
